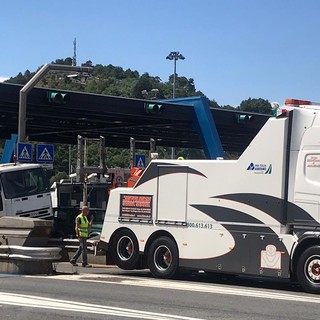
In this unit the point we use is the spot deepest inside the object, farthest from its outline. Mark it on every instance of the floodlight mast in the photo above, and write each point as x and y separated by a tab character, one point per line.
174	55
30	85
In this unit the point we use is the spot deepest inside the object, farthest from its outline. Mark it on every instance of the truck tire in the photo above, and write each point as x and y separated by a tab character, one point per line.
308	270
125	250
163	258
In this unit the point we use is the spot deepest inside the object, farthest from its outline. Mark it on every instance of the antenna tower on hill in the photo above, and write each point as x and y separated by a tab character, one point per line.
74	59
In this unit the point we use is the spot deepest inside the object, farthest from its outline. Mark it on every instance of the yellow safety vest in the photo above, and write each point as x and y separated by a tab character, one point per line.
83	225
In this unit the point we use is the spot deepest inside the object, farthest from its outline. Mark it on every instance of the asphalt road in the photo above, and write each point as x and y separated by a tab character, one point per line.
110	293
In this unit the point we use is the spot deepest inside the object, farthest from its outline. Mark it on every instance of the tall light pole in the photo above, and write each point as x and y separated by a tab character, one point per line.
174	55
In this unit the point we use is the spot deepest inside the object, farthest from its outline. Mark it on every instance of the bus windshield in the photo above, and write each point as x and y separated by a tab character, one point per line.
22	183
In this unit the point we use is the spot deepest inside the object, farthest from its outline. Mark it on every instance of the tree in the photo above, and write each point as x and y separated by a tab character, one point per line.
118	157
256	105
61	157
183	88
66	61
146	84
87	64
227	107
19	79
213	104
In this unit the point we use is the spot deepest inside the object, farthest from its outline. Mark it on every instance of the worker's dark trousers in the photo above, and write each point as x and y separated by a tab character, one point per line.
82	249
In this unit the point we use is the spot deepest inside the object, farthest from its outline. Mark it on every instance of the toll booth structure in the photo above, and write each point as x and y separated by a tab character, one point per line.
88	186
204	125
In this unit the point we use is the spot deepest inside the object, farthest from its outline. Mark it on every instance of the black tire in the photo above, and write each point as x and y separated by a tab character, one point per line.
125	250
163	258
308	270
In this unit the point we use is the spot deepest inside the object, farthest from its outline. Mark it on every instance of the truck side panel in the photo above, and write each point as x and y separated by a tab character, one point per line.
224	215
172	206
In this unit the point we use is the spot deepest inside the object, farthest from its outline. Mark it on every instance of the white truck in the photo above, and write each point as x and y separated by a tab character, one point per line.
257	215
24	191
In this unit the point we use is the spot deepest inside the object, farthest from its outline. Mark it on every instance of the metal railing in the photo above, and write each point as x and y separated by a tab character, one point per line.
30	253
65	243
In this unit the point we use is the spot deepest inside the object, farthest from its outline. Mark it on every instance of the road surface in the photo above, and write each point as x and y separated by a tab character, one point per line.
110	293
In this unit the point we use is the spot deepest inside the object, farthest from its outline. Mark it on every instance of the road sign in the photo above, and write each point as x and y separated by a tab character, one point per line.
45	153
140	161
24	152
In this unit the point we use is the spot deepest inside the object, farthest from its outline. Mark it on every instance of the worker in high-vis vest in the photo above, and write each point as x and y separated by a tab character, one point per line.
82	227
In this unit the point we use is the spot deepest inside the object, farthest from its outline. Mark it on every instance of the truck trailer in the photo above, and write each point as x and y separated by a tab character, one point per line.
257	215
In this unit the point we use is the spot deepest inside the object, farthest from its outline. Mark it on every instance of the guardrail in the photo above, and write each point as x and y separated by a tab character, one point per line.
30	253
66	243
28	260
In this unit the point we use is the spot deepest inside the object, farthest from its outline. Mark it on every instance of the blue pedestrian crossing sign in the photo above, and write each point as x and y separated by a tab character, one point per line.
140	161
45	153
24	152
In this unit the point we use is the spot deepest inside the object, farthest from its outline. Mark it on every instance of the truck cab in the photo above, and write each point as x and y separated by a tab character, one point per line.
24	191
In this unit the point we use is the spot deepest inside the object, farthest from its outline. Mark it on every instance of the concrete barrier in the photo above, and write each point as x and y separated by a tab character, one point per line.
24	231
28	260
22	246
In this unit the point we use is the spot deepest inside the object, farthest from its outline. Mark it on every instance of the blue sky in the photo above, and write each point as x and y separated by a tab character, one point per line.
234	49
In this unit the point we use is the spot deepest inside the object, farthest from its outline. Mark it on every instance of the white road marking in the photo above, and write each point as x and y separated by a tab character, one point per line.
73	306
179	285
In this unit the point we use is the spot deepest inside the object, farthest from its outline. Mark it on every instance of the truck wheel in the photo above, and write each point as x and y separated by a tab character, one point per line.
125	250
163	258
308	270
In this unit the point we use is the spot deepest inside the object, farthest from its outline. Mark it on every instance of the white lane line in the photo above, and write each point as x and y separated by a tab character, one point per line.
73	306
176	285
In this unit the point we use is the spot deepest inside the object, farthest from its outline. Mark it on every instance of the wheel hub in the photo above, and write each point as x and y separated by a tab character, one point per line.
125	248
163	258
314	269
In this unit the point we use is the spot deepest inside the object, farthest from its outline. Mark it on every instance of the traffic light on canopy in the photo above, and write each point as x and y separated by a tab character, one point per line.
153	108
58	97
